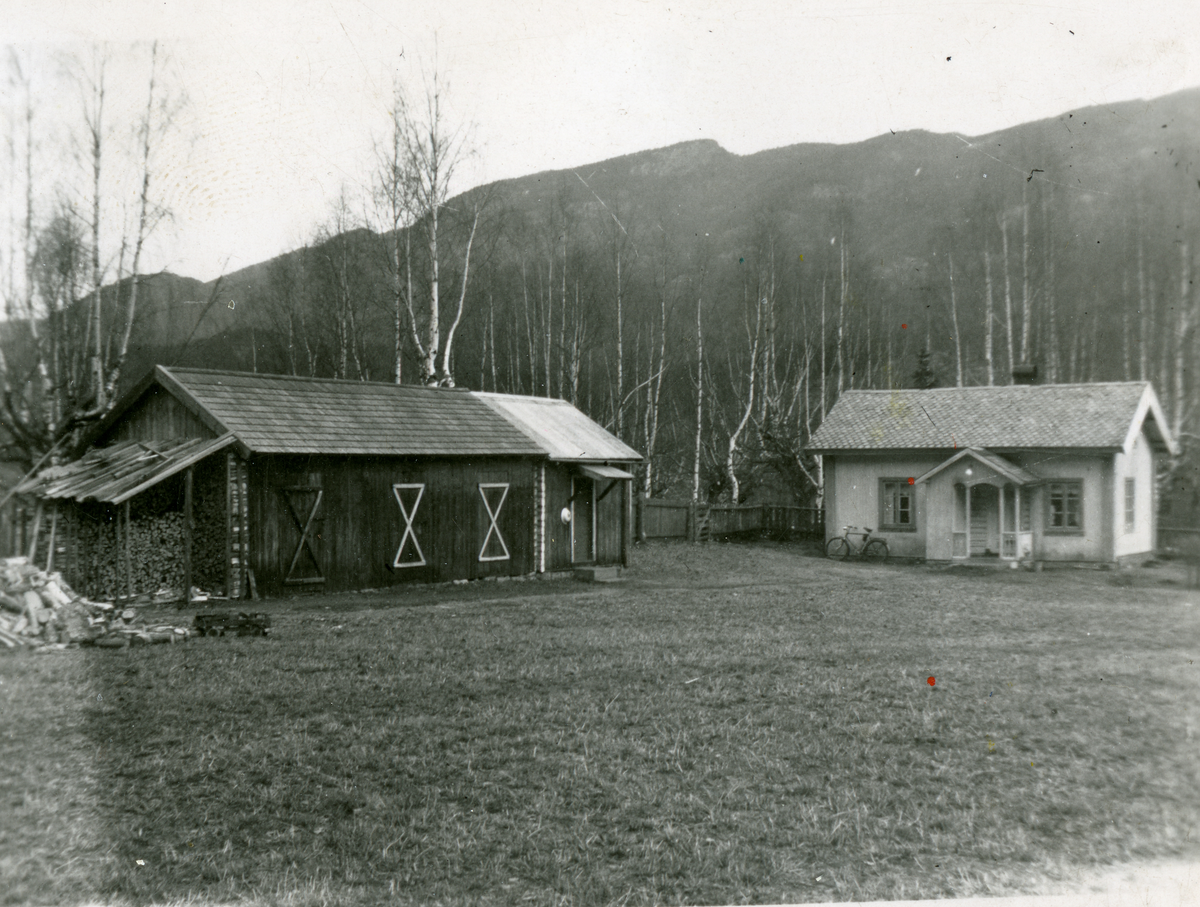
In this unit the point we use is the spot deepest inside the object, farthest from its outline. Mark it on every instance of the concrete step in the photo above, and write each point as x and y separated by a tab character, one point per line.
593	574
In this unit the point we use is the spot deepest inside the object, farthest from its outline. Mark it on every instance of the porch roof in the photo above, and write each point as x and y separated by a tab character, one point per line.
1010	471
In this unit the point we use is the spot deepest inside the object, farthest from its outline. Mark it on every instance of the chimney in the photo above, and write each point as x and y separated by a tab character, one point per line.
1025	373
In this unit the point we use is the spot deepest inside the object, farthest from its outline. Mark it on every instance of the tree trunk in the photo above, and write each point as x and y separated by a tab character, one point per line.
619	415
958	353
735	436
95	123
447	376
989	318
824	338
699	395
139	239
1052	351
1026	299
1008	321
841	329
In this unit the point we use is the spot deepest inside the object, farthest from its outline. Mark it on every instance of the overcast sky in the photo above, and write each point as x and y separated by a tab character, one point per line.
285	99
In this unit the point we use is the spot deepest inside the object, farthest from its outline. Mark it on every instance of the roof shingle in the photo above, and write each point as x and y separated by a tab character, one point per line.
286	415
998	418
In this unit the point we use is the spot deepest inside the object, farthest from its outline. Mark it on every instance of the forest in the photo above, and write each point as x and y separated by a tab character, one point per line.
707	308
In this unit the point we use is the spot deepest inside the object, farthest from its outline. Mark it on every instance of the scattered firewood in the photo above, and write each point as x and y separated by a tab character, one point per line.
40	611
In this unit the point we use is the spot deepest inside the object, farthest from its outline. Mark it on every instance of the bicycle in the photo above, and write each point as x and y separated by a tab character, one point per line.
872	549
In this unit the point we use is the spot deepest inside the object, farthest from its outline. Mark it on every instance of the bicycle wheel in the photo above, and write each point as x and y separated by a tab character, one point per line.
876	550
837	548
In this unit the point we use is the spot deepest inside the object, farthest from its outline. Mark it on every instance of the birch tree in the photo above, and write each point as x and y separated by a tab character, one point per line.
433	149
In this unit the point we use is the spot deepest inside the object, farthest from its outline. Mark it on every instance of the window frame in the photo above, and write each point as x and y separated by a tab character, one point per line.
1130	504
909	491
1049	528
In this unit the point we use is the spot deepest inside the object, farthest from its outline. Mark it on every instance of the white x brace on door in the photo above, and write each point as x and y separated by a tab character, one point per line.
409	514
488	551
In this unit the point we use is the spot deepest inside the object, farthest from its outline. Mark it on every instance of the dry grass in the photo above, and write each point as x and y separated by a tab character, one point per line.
734	723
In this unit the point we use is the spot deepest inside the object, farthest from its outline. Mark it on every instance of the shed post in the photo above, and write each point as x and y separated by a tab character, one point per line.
230	478
37	528
627	541
53	540
187	537
641	518
128	552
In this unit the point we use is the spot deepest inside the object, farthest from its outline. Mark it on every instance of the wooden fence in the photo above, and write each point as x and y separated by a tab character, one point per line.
1182	542
657	519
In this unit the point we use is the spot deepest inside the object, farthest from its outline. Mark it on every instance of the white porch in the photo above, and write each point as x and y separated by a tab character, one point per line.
981	508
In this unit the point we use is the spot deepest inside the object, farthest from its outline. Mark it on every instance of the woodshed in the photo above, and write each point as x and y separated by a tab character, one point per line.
223	480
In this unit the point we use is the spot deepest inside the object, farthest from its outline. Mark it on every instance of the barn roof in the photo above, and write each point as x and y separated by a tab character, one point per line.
278	414
559	429
1081	416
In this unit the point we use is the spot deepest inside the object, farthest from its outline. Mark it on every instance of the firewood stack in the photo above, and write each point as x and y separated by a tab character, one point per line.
38	610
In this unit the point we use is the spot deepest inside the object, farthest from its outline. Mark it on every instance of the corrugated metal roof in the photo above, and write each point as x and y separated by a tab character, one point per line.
285	415
559	429
1018	416
117	473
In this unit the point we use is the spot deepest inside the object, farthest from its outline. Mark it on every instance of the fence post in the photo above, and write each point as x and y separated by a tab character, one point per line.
691	522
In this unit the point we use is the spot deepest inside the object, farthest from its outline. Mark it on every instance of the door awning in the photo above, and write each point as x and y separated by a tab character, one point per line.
604	473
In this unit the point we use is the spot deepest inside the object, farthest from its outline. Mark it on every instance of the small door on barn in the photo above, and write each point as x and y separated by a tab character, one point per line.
583	520
301	533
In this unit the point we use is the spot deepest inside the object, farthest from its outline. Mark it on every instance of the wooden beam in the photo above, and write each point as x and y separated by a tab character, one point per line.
230	478
627	529
37	528
611	485
244	533
187	536
117	554
203	450
53	538
128	552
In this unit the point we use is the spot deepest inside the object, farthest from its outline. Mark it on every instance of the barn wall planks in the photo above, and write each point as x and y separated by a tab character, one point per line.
609	516
610	523
558	533
355	532
156	416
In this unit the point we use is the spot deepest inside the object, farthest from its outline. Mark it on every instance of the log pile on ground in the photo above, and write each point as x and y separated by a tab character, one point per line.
38	610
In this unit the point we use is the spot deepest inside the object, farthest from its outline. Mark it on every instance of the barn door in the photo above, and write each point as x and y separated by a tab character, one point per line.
583	520
302	545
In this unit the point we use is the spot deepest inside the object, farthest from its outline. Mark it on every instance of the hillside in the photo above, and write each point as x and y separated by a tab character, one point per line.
1104	174
1080	228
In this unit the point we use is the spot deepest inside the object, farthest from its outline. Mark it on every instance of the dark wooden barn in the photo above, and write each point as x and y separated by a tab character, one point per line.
225	480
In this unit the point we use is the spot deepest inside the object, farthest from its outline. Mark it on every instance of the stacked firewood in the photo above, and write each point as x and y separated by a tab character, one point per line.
39	610
149	559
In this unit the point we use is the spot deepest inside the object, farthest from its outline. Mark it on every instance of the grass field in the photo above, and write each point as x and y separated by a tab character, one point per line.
732	723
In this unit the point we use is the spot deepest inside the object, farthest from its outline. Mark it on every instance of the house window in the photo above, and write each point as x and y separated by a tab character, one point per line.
897	506
1130	509
1064	503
